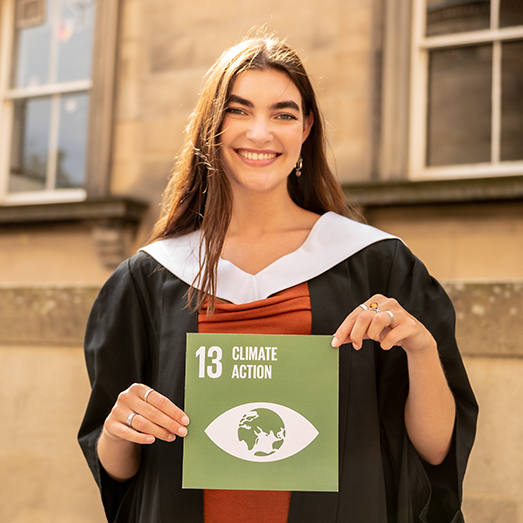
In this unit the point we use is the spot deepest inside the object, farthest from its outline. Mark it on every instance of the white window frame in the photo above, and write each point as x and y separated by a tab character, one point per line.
7	98
421	46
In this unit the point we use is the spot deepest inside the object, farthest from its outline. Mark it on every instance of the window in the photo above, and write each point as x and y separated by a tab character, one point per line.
466	89
47	51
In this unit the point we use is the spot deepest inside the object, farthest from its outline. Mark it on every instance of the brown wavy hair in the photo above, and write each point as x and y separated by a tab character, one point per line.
198	195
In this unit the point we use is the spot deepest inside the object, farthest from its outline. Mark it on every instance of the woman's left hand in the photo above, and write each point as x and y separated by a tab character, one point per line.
384	320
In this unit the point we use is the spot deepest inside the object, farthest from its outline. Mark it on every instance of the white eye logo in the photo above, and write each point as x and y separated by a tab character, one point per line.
261	432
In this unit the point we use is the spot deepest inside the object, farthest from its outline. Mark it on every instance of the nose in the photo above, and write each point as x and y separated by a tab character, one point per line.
260	130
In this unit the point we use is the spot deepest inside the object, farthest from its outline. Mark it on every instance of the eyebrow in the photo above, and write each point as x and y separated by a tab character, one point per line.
287	104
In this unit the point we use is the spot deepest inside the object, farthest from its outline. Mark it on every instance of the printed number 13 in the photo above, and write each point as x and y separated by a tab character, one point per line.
215	353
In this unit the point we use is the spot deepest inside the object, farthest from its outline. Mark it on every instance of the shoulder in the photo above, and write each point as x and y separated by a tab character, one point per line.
385	252
137	276
140	266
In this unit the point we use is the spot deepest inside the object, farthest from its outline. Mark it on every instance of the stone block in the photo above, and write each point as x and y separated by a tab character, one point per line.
58	254
488	508
125	175
169	95
45	315
128	140
357	34
163	137
131	58
488	317
45	391
166	16
131	23
482	242
494	480
127	106
485	250
168	52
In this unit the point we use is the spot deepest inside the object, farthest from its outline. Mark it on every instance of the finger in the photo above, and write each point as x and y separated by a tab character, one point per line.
341	335
155	408
395	337
359	331
144	425
167	407
159	419
120	431
379	326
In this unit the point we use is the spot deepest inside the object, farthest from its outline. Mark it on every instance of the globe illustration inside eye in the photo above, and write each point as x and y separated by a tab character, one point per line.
262	430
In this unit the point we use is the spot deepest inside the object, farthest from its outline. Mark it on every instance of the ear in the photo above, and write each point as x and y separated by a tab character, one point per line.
307	125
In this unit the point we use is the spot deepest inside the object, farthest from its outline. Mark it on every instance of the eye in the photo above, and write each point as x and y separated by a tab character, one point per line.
286	117
234	110
261	432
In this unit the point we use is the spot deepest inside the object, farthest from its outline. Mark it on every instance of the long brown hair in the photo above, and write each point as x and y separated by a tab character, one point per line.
198	195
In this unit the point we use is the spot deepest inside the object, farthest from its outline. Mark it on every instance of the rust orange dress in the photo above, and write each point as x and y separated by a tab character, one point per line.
287	312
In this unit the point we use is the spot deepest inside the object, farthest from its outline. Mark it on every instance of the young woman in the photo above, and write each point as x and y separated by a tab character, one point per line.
254	238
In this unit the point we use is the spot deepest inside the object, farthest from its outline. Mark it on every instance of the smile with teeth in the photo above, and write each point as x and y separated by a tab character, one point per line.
256	156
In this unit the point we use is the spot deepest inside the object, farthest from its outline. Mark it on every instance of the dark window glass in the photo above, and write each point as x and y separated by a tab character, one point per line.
30	144
510	13
72	137
459	105
457	16
512	101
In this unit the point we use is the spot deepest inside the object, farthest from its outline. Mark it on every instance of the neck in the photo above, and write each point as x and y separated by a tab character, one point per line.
263	213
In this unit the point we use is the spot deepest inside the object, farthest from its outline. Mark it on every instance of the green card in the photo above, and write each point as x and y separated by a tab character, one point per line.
264	412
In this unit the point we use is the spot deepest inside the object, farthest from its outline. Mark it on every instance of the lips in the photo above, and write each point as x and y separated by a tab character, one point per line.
257	156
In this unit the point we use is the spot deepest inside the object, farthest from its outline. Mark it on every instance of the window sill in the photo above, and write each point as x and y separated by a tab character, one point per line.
125	209
409	193
113	222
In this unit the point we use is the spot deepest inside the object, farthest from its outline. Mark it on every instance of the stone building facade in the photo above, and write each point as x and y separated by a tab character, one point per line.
379	77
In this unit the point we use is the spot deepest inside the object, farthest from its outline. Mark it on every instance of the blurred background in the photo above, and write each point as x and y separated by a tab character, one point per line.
423	101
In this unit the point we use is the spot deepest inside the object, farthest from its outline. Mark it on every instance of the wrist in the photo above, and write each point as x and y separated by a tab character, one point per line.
426	352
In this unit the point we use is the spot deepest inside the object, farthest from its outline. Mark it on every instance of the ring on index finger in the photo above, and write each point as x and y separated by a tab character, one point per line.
363	306
147	394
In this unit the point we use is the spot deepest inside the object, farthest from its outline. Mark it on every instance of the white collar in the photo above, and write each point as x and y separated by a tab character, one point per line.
333	239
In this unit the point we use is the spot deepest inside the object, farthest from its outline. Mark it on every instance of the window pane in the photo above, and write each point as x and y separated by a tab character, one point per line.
510	13
512	101
30	145
32	51
459	106
457	16
72	138
75	40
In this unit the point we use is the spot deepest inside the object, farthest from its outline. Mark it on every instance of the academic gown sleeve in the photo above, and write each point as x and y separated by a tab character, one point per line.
136	334
381	476
421	295
118	339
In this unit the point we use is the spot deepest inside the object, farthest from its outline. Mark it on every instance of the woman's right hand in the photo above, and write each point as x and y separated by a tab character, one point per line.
142	415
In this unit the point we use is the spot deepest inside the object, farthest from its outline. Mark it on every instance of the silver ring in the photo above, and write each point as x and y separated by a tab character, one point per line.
363	306
391	317
129	421
147	394
375	307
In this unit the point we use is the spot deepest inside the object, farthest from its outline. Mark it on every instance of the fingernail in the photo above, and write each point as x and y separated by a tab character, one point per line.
355	347
335	342
185	420
149	439
182	431
171	437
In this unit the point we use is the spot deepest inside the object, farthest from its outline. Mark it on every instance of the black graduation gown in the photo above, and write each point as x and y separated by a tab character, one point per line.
136	333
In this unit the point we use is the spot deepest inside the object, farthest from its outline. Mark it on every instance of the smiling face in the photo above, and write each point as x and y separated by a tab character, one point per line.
262	131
